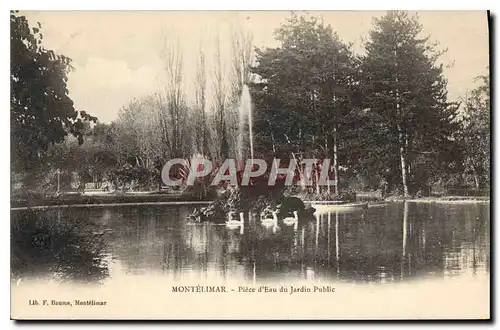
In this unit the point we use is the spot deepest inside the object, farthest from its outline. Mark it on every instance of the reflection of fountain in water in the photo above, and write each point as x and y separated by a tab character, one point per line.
245	118
328	236
309	273
337	251
318	220
405	221
254	274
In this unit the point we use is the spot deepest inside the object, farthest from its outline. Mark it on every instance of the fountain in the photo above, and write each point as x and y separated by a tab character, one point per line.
244	119
259	198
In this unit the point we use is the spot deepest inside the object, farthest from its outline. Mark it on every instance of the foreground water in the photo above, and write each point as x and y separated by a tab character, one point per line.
390	243
398	261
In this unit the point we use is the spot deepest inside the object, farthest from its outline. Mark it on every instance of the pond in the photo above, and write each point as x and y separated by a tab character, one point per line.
395	242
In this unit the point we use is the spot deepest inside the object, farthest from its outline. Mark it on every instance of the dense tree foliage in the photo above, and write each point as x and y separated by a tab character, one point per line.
305	96
383	118
405	93
475	134
41	111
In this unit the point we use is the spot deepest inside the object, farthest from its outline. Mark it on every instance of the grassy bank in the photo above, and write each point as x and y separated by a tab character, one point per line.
76	199
155	197
443	199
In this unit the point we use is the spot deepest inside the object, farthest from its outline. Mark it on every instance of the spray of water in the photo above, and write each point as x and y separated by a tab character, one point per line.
245	116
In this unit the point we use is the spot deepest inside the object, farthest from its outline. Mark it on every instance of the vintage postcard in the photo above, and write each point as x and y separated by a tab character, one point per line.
253	165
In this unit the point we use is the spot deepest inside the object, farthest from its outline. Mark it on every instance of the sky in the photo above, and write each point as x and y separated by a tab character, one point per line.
117	54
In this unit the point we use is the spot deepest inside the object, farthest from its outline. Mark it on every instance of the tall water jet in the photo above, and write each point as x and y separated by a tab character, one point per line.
245	117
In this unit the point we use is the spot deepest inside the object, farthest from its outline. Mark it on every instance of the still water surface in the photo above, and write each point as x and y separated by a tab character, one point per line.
381	244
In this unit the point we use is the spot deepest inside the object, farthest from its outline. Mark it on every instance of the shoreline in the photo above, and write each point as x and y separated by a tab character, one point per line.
45	207
134	199
443	201
89	200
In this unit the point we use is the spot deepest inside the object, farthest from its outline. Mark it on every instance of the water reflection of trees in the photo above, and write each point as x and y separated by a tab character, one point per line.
158	239
59	244
469	248
398	241
147	239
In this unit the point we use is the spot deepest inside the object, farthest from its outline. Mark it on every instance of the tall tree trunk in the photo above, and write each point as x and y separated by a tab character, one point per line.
327	153
224	147
335	161
402	138
408	159
274	148
476	177
317	179
403	160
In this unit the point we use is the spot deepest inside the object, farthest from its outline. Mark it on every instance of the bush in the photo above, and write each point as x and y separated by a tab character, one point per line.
128	177
200	191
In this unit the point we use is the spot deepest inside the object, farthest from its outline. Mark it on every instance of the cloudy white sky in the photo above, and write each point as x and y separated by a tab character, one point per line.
116	55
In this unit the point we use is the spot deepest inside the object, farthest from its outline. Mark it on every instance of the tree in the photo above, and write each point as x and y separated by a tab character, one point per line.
140	136
220	104
405	92
241	50
42	113
172	102
476	132
305	91
99	152
201	131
